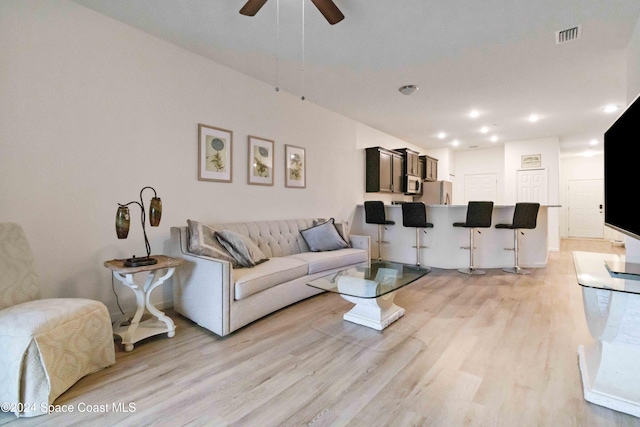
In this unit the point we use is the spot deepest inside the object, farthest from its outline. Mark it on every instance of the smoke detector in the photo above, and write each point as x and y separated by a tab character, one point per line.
569	34
408	89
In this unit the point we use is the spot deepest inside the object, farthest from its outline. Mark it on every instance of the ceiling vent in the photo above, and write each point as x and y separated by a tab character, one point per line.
569	34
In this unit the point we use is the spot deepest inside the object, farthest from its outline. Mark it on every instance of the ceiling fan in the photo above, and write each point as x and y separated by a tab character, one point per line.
327	7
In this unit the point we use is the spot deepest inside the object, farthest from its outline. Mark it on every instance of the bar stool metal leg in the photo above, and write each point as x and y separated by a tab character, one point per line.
472	269
380	242
418	246
516	268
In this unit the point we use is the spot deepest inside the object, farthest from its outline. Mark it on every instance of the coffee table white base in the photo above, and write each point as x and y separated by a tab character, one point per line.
376	313
609	365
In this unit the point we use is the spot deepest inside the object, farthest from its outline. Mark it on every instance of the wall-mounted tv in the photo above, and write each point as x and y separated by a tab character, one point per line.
622	172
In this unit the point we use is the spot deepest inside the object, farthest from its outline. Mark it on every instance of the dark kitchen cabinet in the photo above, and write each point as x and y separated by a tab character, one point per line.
383	170
411	161
430	168
422	167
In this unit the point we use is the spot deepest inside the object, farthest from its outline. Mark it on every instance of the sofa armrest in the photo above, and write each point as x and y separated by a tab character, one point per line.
201	286
361	242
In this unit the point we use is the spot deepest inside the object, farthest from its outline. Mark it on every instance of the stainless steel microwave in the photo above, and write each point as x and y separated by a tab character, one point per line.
412	184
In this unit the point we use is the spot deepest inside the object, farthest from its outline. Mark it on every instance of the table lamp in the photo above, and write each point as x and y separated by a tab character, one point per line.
122	226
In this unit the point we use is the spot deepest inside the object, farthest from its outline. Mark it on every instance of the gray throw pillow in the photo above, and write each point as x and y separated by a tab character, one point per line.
342	227
242	248
323	237
202	241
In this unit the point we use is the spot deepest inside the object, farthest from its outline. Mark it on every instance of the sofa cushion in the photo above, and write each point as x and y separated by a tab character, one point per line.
323	261
202	241
249	281
247	253
324	237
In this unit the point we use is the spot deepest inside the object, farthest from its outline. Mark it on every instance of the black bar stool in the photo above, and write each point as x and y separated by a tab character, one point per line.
525	216
374	214
414	214
478	216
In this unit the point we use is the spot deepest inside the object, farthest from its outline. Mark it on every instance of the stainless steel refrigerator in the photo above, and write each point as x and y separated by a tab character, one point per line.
436	193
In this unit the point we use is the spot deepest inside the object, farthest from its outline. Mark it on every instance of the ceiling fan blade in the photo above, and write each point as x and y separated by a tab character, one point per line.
329	10
252	7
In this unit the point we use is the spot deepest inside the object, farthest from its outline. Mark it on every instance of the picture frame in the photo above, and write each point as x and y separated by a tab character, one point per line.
215	146
295	161
531	161
260	161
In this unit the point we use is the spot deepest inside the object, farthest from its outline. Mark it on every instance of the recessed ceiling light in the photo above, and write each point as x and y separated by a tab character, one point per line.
588	153
484	129
442	135
533	118
455	142
494	138
593	142
611	108
474	113
408	89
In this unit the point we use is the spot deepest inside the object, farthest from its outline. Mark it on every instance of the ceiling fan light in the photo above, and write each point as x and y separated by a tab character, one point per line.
408	89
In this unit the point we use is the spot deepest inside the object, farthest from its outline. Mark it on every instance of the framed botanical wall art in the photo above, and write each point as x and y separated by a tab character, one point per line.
260	161
295	167
214	153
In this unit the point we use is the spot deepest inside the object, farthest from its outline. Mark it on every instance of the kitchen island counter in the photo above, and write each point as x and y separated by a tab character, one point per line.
444	241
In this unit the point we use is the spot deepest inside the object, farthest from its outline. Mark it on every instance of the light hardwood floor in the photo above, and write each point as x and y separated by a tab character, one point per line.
494	350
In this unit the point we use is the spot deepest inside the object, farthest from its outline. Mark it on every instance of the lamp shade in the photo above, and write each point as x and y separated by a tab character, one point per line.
155	211
122	222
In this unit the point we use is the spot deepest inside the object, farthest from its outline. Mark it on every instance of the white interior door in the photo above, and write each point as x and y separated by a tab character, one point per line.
532	186
586	218
481	187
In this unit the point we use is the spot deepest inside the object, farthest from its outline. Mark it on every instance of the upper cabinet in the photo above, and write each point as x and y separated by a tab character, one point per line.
411	161
430	168
384	169
422	167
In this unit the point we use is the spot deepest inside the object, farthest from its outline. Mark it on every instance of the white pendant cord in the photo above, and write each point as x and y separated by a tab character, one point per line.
303	98
277	45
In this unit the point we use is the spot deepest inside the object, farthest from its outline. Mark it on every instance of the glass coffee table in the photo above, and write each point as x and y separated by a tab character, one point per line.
609	361
372	288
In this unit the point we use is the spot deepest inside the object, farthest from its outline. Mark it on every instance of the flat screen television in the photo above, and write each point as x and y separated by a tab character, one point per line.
622	172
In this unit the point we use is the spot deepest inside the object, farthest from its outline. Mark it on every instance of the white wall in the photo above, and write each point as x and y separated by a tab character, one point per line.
446	163
505	161
633	65
473	162
579	167
92	110
549	150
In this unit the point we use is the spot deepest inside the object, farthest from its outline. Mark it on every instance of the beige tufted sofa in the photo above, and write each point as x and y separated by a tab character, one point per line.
222	298
46	345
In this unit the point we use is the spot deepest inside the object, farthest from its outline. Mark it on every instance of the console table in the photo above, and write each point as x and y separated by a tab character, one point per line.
137	330
610	365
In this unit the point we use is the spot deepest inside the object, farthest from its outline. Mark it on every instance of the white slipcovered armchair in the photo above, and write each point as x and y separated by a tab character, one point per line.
46	345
